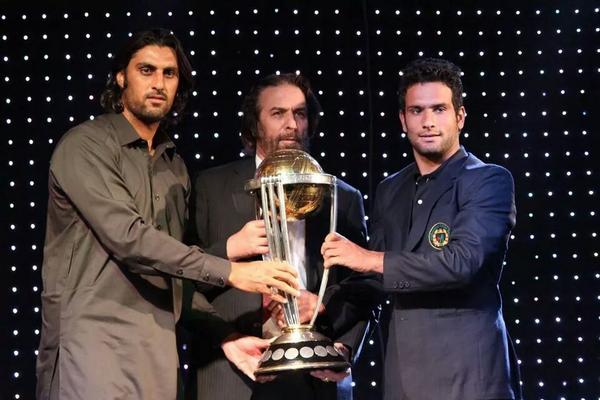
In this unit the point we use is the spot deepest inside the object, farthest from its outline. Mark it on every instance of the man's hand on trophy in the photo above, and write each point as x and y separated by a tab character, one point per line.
250	241
244	352
307	302
337	250
262	276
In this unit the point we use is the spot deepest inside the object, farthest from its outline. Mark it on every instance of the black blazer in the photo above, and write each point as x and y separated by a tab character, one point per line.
222	207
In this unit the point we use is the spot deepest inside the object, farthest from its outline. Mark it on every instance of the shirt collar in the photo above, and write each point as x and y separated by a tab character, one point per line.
257	160
127	135
460	153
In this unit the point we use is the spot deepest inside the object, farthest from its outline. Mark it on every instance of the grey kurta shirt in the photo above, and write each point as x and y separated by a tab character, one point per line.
116	215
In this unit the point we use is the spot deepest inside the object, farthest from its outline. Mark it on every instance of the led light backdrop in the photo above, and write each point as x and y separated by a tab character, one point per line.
531	78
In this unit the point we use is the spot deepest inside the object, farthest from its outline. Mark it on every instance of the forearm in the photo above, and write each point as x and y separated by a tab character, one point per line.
454	267
86	173
144	246
480	224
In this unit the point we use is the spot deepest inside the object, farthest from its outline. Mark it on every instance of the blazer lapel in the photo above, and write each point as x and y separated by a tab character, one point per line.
243	202
422	213
395	215
317	227
444	182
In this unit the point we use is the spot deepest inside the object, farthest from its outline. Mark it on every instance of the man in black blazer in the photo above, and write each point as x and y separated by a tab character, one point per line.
280	112
440	233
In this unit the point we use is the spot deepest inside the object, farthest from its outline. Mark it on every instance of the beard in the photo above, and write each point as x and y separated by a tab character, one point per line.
437	151
146	114
286	141
432	153
141	110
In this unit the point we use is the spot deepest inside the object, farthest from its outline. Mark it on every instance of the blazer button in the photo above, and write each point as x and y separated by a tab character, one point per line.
179	272
206	277
221	281
396	285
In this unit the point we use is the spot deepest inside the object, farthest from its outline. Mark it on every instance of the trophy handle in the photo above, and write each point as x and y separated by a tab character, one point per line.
277	236
332	228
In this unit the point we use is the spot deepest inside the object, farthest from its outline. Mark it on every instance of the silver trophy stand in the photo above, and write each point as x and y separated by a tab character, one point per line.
282	195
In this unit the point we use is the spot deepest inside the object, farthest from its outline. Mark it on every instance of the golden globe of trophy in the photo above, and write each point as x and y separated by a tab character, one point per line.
290	185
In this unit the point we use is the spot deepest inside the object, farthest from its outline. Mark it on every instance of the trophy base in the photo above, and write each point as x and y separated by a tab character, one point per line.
300	348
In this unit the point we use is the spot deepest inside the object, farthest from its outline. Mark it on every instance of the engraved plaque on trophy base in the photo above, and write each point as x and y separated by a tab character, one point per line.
300	348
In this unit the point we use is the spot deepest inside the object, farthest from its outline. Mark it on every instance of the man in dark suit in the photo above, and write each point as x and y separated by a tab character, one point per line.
280	112
440	232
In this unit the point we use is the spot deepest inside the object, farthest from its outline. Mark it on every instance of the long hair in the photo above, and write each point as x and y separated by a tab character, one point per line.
111	96
251	110
425	70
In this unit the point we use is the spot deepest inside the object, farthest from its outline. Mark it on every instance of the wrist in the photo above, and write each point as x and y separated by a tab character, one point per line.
231	337
376	261
232	278
228	249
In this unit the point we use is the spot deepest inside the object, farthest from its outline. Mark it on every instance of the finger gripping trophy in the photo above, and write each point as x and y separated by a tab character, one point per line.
290	185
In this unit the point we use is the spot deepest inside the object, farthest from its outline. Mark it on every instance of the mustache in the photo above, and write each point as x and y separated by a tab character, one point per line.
160	94
291	136
429	133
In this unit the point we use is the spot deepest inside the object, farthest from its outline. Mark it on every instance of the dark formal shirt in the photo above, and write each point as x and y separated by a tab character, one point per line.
116	215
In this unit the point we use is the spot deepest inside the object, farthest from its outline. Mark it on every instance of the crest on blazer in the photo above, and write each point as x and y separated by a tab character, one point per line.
439	235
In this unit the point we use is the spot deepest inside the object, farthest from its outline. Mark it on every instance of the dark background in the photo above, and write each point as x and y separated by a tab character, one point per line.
531	78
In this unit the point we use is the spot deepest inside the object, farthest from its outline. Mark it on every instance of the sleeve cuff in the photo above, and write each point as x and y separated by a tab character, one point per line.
213	271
